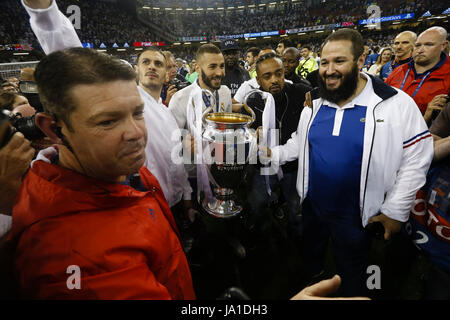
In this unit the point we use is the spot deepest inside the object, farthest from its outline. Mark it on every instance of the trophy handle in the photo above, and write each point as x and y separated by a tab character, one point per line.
250	110
208	110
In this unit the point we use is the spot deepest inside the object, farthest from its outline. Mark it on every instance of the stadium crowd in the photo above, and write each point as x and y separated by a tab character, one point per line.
362	165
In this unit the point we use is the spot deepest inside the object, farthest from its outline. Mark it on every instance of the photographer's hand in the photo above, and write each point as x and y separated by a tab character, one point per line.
38	4
170	92
15	159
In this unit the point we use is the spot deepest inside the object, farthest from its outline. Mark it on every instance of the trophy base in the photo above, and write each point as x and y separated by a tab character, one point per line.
224	206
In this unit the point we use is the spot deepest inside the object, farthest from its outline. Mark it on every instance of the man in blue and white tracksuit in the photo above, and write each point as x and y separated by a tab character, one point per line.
363	151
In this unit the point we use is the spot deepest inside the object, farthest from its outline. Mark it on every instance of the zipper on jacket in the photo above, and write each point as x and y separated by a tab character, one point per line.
304	152
370	156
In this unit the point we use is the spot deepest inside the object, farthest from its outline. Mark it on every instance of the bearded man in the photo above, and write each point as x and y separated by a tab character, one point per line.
363	152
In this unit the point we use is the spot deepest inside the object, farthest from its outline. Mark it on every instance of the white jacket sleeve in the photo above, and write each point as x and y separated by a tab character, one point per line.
290	151
52	28
416	160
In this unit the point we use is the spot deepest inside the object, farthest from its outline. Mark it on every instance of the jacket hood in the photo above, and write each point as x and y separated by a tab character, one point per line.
50	190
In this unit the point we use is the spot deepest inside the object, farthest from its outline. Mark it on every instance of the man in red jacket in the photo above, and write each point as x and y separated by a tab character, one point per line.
91	222
426	78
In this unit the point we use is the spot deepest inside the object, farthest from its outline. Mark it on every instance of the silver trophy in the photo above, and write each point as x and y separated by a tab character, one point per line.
228	143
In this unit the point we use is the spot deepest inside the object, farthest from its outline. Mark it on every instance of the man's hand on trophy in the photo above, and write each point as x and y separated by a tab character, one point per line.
237	107
38	4
264	153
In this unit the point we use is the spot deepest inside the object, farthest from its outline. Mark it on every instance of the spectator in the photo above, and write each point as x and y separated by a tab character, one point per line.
403	48
250	58
192	76
282	45
11	100
234	74
9	87
425	78
384	57
308	64
291	57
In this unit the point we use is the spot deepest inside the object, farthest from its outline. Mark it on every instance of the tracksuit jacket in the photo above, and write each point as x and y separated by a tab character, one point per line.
397	152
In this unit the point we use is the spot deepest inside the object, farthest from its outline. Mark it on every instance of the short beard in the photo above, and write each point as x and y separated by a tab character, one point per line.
344	91
207	81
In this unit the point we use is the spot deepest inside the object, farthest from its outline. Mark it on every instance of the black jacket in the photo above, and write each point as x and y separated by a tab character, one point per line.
234	77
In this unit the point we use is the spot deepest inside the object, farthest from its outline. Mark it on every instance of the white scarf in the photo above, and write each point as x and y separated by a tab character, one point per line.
194	121
269	138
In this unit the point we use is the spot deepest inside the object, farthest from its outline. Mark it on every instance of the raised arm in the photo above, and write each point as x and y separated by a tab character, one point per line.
52	28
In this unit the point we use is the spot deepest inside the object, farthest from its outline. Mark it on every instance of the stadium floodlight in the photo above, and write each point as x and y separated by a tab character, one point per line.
219	8
168	9
241	7
146	8
187	43
179	9
267	37
199	9
176	43
156	8
121	49
210	9
20	53
189	9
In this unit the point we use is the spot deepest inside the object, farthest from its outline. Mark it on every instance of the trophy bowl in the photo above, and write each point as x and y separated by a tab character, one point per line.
229	143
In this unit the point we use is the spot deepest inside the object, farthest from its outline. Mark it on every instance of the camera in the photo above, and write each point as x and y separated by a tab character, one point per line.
11	123
179	84
30	91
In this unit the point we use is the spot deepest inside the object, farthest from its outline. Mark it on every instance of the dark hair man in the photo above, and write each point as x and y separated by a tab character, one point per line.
289	99
403	47
250	58
291	60
151	70
363	151
426	77
235	75
282	45
86	202
210	66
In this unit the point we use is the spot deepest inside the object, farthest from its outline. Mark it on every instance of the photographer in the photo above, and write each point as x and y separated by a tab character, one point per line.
174	82
15	158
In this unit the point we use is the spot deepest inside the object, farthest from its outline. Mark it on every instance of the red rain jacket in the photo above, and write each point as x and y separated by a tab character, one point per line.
125	242
438	82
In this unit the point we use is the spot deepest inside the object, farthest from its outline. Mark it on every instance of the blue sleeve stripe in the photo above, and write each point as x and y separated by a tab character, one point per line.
416	136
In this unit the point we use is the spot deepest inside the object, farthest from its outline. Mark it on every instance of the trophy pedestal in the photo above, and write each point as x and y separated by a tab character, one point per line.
223	205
